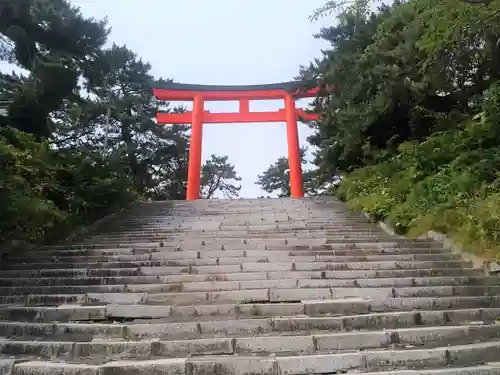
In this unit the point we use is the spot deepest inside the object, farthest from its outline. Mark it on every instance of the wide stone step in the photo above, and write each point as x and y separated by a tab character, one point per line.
371	360
312	308
196	258
409	287
67	313
296	344
490	369
75	312
233	276
242	219
245	244
178	253
278	230
180	228
253	240
267	235
200	293
163	366
165	231
168	268
254	325
286	243
229	228
22	285
244	214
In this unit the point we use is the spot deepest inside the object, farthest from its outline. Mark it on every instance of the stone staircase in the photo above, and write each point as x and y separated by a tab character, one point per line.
246	287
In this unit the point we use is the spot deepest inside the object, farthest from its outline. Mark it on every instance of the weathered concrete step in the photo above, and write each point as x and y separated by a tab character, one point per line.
269	237
230	228
259	244
253	239
363	305
442	357
464	355
172	295
234	222
52	314
284	242
381	320
163	259
170	366
365	252
225	231
240	218
276	230
233	276
489	369
259	223
241	244
230	257
166	267
395	287
21	285
242	215
242	211
299	343
320	309
313	308
254	325
180	253
398	304
80	245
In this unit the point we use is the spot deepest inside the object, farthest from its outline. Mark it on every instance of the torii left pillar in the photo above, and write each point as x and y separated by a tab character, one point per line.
292	137
194	169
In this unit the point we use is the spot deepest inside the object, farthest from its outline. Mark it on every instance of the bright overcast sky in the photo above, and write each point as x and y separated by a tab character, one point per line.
227	42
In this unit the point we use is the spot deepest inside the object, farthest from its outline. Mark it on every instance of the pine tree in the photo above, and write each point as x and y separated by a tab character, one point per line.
218	175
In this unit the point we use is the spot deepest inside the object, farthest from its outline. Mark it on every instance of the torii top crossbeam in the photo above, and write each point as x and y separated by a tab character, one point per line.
289	91
184	91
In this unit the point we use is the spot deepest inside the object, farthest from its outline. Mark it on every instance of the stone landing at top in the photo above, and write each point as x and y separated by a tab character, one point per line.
246	287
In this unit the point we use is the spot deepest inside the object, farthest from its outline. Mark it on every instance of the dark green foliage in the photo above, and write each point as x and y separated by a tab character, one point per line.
44	194
413	120
276	178
450	182
79	139
54	43
395	81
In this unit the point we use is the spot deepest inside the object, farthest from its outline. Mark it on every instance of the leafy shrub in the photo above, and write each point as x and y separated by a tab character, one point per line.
450	182
45	193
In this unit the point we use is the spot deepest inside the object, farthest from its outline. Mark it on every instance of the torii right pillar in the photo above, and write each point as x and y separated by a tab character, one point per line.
292	136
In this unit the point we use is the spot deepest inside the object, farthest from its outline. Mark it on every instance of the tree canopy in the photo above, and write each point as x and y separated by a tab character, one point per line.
276	178
218	175
79	139
412	116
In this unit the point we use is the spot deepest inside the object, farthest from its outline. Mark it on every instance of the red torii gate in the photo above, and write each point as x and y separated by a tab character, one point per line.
289	91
